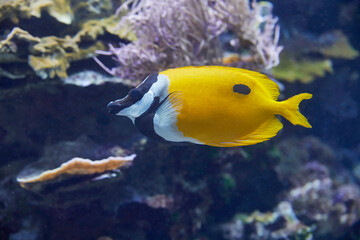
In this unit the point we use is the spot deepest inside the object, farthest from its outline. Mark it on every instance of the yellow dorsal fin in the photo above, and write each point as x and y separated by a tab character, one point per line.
266	131
268	86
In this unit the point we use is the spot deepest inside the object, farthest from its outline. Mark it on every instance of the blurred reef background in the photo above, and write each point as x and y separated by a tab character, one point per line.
62	61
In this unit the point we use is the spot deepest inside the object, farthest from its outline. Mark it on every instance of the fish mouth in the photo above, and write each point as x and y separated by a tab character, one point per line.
114	107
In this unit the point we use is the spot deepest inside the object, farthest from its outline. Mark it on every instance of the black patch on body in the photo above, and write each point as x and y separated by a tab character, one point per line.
145	122
242	89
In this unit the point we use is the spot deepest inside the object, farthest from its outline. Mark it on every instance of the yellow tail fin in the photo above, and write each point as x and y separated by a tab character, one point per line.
291	110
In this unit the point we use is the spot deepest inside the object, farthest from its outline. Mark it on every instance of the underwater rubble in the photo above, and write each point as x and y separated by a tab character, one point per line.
318	204
199	198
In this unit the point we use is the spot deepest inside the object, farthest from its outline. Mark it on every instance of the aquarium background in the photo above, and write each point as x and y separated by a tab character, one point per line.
302	184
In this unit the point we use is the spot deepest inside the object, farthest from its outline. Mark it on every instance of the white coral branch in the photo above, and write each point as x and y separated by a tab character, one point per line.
186	32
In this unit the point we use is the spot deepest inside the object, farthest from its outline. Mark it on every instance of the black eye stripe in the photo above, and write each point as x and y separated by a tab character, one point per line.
147	83
135	94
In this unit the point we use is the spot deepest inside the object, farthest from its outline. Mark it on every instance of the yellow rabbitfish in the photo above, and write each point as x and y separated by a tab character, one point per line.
211	105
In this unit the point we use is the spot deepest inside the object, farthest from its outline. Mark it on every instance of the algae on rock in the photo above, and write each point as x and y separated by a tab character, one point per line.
303	70
48	56
17	9
51	55
305	59
63	11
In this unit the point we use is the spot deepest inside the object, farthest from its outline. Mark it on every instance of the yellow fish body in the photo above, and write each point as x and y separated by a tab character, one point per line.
212	105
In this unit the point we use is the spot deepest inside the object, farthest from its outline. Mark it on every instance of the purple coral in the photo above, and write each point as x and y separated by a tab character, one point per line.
186	32
254	27
333	208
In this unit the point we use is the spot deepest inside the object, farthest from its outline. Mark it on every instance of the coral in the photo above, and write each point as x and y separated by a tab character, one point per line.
160	201
319	194
300	156
88	78
7	45
10	53
347	199
297	61
313	199
254	27
316	209
304	70
76	166
163	43
91	29
50	56
337	46
282	223
54	172
332	209
62	10
15	9
233	230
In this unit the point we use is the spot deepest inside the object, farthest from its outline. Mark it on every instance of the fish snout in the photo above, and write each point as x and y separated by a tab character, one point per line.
114	107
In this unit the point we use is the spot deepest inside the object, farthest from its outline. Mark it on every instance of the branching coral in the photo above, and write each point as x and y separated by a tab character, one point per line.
254	27
186	32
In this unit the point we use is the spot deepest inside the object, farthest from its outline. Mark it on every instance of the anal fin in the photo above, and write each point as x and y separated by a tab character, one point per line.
266	131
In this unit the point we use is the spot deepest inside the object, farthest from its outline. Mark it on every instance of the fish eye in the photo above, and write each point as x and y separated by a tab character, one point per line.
135	94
